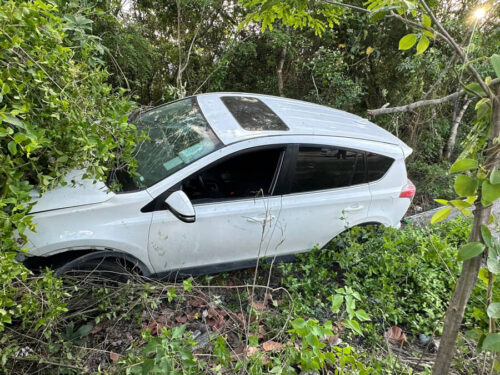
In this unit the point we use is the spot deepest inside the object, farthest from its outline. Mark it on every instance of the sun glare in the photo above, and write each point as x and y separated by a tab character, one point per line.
479	13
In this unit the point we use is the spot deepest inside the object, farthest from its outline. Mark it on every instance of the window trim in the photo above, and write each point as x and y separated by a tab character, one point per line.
219	145
293	164
292	160
158	204
282	124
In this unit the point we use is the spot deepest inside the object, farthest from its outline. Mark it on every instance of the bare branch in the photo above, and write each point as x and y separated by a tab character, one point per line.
359	9
418	26
410	107
441	76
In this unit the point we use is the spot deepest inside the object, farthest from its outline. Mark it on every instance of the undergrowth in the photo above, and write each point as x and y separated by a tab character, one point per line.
326	311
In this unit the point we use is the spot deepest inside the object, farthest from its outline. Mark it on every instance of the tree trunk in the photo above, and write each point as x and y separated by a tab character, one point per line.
180	70
470	269
279	70
448	150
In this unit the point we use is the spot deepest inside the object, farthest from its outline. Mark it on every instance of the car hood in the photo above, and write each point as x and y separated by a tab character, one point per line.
76	192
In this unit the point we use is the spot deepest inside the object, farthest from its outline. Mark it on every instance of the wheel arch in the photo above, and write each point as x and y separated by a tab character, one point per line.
64	260
362	224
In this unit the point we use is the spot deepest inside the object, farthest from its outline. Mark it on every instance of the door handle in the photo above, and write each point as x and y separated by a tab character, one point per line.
260	220
353	208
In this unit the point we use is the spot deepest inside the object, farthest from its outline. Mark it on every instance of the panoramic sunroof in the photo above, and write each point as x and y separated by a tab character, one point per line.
252	114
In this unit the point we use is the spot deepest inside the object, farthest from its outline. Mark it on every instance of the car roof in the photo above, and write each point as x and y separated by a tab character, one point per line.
302	118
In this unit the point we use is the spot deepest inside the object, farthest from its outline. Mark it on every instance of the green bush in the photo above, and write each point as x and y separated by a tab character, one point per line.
56	114
432	181
404	277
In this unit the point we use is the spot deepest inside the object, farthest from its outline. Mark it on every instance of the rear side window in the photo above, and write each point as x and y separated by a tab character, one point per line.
378	165
324	167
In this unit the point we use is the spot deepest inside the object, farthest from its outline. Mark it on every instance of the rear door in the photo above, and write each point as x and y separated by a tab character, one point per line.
325	194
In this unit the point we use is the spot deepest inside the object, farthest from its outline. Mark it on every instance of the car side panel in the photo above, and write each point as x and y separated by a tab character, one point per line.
314	218
117	224
224	232
387	208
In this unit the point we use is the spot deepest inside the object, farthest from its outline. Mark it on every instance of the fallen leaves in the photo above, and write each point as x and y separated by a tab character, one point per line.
258	306
115	357
270	346
334	340
97	328
155	328
396	336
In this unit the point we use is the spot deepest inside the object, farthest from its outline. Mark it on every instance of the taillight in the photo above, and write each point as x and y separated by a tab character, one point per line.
408	190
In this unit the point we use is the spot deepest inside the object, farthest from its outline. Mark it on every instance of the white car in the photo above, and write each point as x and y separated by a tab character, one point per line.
225	179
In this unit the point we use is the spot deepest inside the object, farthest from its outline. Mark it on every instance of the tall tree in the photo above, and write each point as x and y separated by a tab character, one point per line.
426	25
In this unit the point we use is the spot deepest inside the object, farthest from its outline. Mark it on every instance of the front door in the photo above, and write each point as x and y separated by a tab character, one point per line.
237	215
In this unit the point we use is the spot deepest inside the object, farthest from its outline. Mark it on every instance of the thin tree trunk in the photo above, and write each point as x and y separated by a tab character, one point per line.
470	268
448	150
180	85
279	70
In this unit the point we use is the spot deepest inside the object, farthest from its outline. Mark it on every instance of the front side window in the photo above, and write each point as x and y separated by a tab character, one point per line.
247	175
178	135
324	167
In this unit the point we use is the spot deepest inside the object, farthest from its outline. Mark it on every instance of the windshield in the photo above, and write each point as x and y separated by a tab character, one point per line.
178	135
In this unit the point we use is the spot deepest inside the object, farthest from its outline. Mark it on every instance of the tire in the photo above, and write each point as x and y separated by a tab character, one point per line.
99	270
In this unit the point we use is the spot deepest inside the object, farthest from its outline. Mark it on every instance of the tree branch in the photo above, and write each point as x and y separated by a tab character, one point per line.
459	50
410	107
418	26
359	9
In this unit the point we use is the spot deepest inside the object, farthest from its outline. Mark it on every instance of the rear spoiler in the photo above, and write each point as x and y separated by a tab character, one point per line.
407	150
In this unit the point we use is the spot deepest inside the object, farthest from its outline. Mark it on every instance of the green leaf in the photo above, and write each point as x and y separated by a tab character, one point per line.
441	201
493	310
490	193
470	250
460	204
492	342
483	109
440	215
483	275
354	325
493	264
486	235
337	301
463	165
495	61
407	41
12	147
476	89
428	33
426	20
495	177
465	186
465	211
362	315
14	121
422	45
350	305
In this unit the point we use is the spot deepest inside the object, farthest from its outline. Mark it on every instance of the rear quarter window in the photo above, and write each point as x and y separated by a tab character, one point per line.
377	166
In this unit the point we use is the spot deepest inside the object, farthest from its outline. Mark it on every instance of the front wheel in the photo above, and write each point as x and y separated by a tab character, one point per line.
102	269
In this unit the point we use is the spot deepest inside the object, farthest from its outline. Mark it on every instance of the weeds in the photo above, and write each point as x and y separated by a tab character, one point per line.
327	311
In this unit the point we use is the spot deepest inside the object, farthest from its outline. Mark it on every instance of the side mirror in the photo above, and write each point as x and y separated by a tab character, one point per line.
180	205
